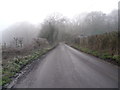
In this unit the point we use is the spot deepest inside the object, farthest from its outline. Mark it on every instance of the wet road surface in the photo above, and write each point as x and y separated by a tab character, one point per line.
65	67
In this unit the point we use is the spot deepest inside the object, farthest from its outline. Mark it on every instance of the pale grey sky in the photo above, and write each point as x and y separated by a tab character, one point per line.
35	11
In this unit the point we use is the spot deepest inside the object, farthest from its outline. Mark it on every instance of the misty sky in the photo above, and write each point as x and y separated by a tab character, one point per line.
35	11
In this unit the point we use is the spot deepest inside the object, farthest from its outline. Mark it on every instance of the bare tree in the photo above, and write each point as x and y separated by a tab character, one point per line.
20	42
16	41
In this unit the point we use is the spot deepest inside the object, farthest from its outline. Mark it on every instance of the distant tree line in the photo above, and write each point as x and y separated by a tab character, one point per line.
57	28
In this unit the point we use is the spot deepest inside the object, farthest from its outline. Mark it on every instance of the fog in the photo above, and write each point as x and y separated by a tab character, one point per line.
35	11
23	30
57	27
26	19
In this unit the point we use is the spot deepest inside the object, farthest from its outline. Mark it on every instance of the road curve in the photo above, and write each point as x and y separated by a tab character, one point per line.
65	67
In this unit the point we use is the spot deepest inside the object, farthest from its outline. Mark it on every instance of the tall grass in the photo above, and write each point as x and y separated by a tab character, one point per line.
103	45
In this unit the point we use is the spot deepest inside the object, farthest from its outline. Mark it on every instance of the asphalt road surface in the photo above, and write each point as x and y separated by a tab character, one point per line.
65	67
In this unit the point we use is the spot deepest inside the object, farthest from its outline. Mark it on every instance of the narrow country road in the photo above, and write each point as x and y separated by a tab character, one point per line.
65	67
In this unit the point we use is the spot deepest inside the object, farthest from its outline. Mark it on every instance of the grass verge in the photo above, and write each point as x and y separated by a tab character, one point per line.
12	67
115	59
